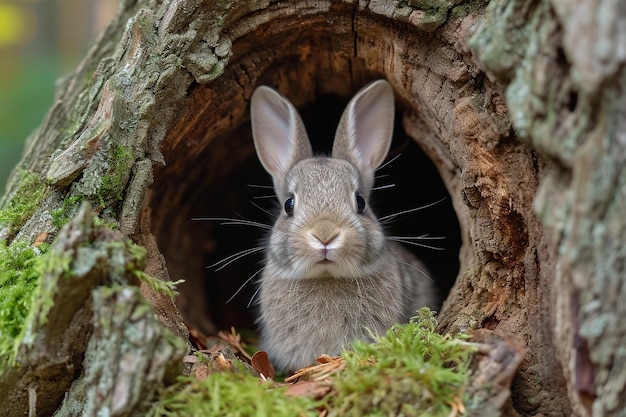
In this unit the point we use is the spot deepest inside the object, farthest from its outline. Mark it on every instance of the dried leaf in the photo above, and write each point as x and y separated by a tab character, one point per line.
328	359
40	238
261	363
234	339
328	365
223	363
202	371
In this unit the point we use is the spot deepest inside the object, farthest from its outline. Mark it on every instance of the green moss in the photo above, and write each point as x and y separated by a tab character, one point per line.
67	211
53	264
133	262
20	270
125	259
104	180
22	266
466	8
167	287
435	12
411	371
231	394
23	202
117	174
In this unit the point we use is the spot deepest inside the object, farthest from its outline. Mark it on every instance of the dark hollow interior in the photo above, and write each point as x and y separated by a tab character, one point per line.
226	180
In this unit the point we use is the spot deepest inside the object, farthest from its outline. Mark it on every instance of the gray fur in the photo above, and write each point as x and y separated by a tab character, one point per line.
364	282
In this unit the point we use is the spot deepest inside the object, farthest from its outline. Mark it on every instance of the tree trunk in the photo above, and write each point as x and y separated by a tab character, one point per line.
517	104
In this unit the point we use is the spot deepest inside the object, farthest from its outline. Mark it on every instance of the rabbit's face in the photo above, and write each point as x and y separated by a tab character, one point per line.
325	228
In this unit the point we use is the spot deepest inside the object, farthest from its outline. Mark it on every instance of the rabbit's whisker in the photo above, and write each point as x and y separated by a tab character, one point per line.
389	162
235	257
244	284
422	237
408	242
237	222
410	265
260	197
262	209
382	187
254	295
269	187
391	216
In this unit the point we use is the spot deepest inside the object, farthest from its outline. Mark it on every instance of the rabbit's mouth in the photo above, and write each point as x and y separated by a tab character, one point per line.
325	268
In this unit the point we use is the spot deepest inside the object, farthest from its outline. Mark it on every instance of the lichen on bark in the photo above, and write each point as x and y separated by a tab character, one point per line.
87	262
565	94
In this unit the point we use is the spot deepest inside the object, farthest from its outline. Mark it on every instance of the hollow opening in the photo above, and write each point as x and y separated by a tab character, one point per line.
225	180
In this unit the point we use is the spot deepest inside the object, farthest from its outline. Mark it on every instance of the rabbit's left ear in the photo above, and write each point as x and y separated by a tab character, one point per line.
366	128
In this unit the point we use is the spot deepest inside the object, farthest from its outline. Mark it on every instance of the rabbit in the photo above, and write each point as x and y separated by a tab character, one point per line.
330	275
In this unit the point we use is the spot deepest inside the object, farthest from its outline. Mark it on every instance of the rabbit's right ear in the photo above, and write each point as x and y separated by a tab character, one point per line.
279	135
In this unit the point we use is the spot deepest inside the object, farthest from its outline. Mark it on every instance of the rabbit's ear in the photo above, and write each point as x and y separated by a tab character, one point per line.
366	128
279	135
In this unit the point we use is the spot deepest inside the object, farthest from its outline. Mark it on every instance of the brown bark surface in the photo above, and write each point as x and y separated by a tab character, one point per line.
517	104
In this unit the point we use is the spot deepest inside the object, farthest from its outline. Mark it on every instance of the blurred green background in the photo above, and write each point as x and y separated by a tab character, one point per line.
40	40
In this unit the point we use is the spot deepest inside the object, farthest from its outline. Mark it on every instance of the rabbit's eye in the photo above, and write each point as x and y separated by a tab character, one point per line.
289	204
360	203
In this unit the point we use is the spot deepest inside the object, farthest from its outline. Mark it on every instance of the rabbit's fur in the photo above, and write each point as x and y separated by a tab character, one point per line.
330	275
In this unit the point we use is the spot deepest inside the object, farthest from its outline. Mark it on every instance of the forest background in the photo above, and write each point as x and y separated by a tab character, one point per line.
40	41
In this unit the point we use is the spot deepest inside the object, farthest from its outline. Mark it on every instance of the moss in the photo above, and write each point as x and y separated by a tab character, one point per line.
69	208
105	178
20	270
22	266
472	7
435	12
131	261
166	287
125	259
411	371
23	202
53	264
117	174
231	394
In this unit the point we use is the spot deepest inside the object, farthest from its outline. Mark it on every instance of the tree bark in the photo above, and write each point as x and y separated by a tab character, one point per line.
516	103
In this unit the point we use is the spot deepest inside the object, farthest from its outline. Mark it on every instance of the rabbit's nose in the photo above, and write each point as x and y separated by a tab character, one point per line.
325	232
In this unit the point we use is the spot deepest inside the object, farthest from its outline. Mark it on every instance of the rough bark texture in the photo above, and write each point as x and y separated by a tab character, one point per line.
564	82
518	104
